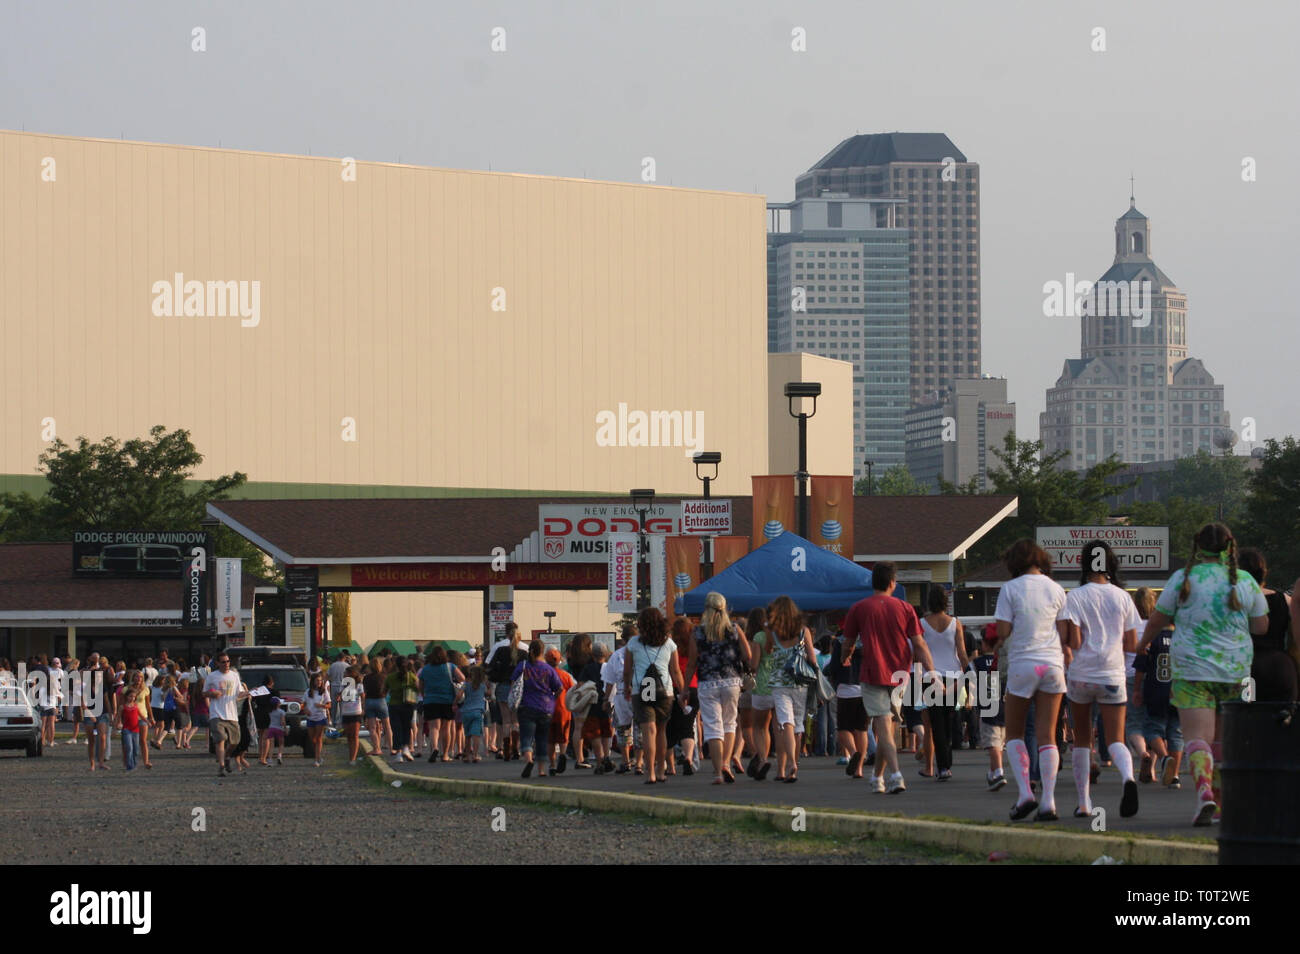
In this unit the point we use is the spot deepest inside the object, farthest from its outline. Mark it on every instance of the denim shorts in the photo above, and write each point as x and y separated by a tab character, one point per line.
376	708
1164	727
473	723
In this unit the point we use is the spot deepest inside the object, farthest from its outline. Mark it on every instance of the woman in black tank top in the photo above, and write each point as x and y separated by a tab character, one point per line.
1273	669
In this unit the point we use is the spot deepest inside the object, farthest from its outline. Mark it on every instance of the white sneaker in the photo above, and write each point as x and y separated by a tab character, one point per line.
318	765
1204	813
896	783
878	784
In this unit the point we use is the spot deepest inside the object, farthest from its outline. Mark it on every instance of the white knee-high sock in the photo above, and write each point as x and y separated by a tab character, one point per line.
1120	755
1049	763
1081	764
1018	756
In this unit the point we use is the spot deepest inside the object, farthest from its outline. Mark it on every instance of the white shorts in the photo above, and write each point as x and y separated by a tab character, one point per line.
718	704
1085	693
1026	678
762	702
622	711
790	703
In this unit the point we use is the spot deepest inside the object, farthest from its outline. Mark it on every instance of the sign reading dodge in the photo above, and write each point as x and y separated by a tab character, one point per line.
706	517
1136	548
576	533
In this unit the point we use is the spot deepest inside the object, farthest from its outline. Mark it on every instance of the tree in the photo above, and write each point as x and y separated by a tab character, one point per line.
898	481
137	484
1048	495
1272	512
1183	517
969	489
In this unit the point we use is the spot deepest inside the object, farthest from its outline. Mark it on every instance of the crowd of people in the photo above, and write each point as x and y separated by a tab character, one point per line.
748	693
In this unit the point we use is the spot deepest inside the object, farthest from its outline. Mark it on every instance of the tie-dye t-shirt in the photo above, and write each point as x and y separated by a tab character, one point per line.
1211	641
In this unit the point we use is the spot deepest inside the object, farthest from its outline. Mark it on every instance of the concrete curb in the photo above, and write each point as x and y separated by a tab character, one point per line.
1036	844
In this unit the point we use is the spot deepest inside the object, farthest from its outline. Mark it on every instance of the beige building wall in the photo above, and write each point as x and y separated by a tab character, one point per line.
460	615
471	325
830	430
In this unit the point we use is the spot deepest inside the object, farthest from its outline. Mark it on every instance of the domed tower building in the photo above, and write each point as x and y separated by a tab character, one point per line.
1133	391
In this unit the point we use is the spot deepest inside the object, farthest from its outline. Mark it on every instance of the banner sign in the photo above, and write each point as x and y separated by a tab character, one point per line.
575	533
501	610
773	508
1136	548
148	553
301	584
433	576
727	550
683	566
830	514
659	572
706	516
194	605
228	596
621	589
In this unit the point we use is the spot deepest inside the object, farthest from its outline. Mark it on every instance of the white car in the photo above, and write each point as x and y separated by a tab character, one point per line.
20	723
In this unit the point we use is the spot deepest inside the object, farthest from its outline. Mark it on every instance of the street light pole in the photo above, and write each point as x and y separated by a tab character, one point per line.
714	458
642	500
793	390
871	482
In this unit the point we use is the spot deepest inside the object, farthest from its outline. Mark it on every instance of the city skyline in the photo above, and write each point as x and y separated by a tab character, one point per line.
1033	103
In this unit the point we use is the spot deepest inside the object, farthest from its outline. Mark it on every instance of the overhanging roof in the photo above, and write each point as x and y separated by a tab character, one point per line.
465	530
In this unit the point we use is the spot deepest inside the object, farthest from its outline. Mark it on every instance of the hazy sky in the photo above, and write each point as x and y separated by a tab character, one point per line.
714	92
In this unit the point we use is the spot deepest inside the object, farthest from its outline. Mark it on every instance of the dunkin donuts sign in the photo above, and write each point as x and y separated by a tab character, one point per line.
577	533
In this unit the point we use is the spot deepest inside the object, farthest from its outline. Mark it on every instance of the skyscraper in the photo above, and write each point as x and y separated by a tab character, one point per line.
837	287
1134	391
942	216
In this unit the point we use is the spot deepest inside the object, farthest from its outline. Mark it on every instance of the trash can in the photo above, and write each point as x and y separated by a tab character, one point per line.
1260	782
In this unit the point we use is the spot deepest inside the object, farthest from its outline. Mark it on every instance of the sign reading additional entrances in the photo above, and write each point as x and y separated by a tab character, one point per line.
712	517
1136	548
301	584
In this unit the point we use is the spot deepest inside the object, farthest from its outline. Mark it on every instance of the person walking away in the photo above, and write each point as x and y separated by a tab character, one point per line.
850	716
403	689
891	639
988	685
717	654
683	716
1273	669
1160	729
946	639
503	659
184	721
620	705
536	706
1027	612
789	637
473	711
561	718
1144	600
1215	610
379	699
598	729
1100	625
438	681
579	658
651	676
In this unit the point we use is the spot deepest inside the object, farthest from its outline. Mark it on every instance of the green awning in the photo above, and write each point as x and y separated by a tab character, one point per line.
400	647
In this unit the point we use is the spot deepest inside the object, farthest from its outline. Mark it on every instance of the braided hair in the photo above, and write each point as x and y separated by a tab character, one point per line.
1213	538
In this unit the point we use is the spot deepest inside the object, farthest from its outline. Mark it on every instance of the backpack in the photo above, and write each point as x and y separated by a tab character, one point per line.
652	673
502	664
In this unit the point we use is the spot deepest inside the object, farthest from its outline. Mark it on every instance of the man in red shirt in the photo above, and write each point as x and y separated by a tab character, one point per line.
891	641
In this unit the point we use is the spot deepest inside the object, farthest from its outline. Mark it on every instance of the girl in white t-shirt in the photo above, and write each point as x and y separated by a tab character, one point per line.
1027	611
1100	625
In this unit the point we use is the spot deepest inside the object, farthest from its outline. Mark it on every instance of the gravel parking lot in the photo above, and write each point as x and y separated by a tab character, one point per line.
59	812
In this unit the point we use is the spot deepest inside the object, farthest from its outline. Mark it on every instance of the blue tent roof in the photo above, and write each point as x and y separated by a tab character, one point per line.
827	580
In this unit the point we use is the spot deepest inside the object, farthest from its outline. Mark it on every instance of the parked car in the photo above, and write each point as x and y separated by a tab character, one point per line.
20	723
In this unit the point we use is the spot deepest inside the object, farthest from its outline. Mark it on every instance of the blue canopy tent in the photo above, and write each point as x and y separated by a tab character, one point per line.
824	580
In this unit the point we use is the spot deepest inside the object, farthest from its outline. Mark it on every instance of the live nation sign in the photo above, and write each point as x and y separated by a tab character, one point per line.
1136	548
